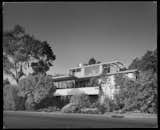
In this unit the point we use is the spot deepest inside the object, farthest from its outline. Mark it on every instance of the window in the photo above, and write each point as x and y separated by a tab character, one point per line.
92	70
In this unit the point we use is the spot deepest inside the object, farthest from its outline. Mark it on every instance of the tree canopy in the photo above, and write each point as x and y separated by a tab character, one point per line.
146	62
92	61
140	94
20	50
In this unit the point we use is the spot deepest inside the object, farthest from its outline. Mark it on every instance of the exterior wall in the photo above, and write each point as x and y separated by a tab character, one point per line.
72	91
79	74
91	70
108	87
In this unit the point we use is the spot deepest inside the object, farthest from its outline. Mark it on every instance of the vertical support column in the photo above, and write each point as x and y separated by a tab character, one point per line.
101	68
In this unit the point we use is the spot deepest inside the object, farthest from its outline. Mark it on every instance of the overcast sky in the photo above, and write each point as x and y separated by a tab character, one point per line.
78	31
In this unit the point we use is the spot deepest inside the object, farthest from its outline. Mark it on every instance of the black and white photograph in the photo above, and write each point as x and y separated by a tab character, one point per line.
80	64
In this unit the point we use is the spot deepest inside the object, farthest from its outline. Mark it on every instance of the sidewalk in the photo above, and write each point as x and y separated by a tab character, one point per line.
131	115
107	114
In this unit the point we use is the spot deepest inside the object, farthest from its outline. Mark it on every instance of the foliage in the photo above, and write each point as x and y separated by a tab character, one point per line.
70	108
94	104
141	94
146	62
93	81
52	101
91	61
11	101
49	109
90	110
35	88
81	100
20	49
9	93
107	106
148	92
126	98
77	102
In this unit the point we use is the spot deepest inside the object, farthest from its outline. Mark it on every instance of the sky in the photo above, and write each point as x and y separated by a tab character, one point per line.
78	31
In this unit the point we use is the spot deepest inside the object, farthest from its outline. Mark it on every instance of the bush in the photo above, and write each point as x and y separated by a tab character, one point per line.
138	95
90	110
107	106
70	108
81	100
11	101
9	95
49	109
77	102
35	88
94	104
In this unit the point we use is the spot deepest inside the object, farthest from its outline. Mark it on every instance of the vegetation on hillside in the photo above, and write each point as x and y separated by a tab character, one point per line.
20	50
141	94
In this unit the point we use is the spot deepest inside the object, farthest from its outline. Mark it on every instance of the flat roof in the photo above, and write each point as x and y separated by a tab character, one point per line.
67	77
124	72
64	78
112	62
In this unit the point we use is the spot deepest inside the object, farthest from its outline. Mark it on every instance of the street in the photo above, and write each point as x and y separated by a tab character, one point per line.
53	120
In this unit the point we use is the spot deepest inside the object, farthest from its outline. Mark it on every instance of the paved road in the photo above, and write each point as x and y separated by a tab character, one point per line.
48	120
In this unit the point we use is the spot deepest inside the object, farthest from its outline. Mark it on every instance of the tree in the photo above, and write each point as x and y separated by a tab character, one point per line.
21	50
126	99
141	94
146	62
12	57
91	61
35	88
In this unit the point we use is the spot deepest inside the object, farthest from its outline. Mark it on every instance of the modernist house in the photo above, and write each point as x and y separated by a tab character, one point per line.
79	79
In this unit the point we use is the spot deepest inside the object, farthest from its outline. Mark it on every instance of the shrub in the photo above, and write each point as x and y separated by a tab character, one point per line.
138	95
107	106
9	95
90	110
77	102
94	104
49	109
11	101
81	100
70	108
35	88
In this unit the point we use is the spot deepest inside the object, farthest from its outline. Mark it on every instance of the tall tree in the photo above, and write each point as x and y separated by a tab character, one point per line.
91	61
21	50
146	62
141	94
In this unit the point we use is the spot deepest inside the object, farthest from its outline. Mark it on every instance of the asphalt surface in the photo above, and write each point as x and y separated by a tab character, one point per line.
53	120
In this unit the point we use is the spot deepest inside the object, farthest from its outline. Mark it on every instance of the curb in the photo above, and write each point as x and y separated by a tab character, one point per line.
110	115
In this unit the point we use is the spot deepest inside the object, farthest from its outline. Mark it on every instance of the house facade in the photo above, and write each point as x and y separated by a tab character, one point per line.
87	79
